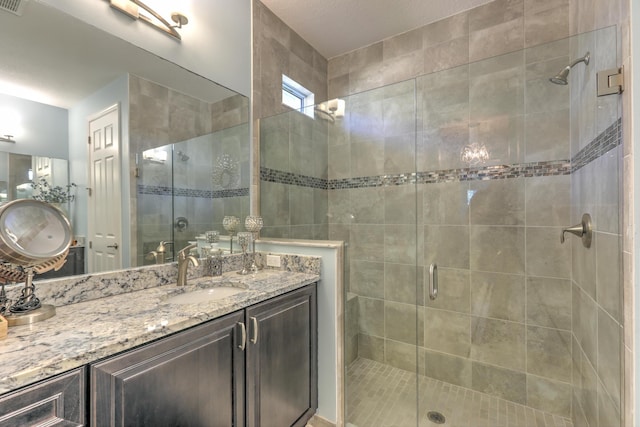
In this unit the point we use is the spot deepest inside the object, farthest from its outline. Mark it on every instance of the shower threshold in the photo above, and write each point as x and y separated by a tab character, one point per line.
380	395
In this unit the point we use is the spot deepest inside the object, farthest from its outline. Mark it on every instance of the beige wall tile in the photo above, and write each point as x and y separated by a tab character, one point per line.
609	355
371	347
400	243
608	279
451	369
548	395
367	278
447	246
447	332
498	342
453	292
497	248
371	316
400	355
446	203
546	256
548	200
549	353
401	323
505	383
497	202
401	283
585	323
549	302
546	25
496	40
500	296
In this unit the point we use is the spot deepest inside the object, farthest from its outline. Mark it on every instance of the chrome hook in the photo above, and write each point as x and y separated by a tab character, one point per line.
582	230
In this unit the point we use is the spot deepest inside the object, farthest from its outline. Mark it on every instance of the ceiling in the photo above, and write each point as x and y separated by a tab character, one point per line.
334	27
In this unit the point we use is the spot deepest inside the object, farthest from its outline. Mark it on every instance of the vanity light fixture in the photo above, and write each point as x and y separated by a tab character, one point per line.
132	8
7	138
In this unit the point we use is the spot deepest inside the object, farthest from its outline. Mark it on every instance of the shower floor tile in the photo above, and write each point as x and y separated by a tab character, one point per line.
380	395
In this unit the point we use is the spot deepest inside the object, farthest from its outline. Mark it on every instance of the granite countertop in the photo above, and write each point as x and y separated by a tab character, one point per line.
91	330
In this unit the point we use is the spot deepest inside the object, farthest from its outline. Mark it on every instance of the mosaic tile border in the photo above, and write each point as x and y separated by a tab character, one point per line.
602	144
281	177
189	192
609	139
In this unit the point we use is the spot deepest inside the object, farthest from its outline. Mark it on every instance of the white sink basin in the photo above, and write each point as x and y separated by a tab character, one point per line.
200	295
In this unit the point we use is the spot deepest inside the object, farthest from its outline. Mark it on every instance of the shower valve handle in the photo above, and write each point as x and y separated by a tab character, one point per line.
582	230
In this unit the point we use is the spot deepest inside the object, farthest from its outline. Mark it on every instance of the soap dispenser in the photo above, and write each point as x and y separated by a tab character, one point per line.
214	262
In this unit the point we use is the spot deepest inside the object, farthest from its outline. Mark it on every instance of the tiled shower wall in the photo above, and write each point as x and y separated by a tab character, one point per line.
292	211
596	272
523	299
504	324
160	117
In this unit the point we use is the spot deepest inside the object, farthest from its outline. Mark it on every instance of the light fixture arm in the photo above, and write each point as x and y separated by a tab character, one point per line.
7	138
131	9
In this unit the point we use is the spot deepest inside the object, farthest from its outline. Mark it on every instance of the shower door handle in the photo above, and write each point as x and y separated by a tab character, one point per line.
433	281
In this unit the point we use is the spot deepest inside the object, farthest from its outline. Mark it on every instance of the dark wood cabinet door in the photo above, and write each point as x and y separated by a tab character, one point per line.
282	360
191	379
59	401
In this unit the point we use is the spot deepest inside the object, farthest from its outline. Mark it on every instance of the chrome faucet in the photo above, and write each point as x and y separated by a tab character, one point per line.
183	263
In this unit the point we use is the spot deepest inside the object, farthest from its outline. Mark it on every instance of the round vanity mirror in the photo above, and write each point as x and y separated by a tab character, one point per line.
34	238
32	232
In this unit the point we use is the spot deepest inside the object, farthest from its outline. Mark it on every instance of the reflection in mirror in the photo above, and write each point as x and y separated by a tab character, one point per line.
179	198
19	172
78	71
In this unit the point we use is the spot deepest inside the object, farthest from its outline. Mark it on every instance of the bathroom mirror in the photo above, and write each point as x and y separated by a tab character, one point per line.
61	73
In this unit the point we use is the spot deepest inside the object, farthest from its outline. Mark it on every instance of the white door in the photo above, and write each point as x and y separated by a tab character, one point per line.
105	228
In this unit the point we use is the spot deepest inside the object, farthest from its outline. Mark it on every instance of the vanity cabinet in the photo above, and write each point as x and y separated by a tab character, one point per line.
193	378
256	367
281	376
58	401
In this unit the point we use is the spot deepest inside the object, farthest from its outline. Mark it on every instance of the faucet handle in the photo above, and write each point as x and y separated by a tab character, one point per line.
184	252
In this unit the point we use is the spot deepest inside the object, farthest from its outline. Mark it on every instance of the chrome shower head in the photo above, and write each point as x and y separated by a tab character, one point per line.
562	77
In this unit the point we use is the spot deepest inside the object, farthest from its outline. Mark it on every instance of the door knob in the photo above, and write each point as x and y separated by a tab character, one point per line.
114	246
582	230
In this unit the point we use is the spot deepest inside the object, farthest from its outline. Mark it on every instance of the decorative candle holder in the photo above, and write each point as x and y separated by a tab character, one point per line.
230	223
253	224
212	236
244	239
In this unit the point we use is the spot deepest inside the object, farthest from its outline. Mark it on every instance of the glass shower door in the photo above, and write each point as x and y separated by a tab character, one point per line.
524	327
374	207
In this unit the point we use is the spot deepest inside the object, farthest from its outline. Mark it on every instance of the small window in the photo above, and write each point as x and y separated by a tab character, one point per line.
297	96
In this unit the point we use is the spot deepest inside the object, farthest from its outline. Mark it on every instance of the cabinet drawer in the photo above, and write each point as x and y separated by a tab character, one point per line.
59	401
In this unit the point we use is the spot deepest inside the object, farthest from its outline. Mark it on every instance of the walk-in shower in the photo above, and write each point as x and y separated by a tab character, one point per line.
524	330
